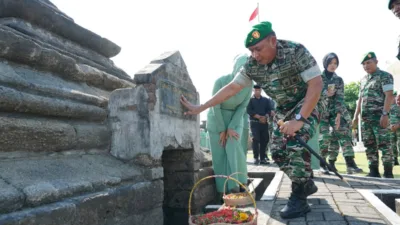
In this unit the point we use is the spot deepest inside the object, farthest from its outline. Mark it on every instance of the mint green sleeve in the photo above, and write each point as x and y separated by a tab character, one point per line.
238	115
216	110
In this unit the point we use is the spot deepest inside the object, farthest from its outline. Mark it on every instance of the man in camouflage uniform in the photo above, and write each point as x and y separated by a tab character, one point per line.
394	6
335	117
289	74
271	125
375	98
394	126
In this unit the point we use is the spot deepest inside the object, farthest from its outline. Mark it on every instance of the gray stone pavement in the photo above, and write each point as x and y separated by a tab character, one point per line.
335	203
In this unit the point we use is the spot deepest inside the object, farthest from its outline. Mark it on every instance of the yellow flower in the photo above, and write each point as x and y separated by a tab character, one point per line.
243	216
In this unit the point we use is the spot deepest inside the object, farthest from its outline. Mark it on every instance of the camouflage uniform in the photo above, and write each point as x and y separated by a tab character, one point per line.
395	136
285	80
329	141
271	126
374	136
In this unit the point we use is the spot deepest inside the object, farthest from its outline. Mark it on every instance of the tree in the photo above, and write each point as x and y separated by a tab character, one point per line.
351	91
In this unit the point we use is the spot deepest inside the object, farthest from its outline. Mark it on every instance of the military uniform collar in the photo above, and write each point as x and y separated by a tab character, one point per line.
376	72
279	50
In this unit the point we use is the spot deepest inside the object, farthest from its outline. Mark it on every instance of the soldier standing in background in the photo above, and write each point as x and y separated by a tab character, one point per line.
375	98
394	126
336	117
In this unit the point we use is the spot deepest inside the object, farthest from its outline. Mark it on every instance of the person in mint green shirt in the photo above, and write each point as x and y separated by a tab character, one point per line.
245	135
225	126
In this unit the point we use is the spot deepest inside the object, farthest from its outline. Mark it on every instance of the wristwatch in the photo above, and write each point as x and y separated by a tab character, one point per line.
299	117
384	113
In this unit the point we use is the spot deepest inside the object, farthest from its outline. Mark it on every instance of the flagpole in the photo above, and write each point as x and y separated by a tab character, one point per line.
258	9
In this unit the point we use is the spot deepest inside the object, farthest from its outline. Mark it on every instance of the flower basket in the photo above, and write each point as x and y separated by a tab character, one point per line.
238	199
225	216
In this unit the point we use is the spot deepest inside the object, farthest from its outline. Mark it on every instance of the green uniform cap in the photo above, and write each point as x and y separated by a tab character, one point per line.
390	4
258	32
368	56
394	92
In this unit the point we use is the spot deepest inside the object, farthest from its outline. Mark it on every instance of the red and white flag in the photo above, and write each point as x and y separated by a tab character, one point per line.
254	15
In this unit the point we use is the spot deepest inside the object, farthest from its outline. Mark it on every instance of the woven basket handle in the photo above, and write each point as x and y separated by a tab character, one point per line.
217	176
226	181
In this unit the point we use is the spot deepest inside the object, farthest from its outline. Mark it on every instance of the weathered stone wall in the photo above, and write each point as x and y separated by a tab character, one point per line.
55	81
150	131
83	143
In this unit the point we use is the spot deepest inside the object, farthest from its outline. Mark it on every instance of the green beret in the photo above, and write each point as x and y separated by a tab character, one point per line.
368	56
258	32
390	4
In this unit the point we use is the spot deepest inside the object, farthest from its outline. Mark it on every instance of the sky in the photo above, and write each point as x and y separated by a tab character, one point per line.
209	34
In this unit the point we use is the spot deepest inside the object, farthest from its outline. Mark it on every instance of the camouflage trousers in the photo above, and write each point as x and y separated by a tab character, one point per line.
270	131
395	142
291	157
376	138
330	141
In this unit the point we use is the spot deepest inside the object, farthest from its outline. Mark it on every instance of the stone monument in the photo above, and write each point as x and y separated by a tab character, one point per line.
150	130
81	141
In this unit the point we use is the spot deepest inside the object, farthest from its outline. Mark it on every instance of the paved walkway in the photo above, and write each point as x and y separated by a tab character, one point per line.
335	203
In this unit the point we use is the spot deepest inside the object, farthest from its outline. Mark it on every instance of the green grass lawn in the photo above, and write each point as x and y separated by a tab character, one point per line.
361	160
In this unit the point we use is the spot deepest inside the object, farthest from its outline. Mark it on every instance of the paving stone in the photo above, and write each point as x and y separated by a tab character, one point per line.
275	222
358	223
298	219
314	216
360	216
366	187
348	209
339	195
327	201
332	216
335	210
354	196
319	194
314	201
351	200
297	223
277	208
327	223
281	202
366	209
380	223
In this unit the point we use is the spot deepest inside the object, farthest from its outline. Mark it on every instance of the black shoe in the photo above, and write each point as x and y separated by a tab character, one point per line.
332	164
297	205
264	162
352	166
323	169
373	171
256	161
396	161
388	172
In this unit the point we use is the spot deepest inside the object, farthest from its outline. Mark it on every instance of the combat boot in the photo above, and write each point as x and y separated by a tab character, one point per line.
396	161
310	187
373	171
351	165
388	172
297	205
332	164
323	169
